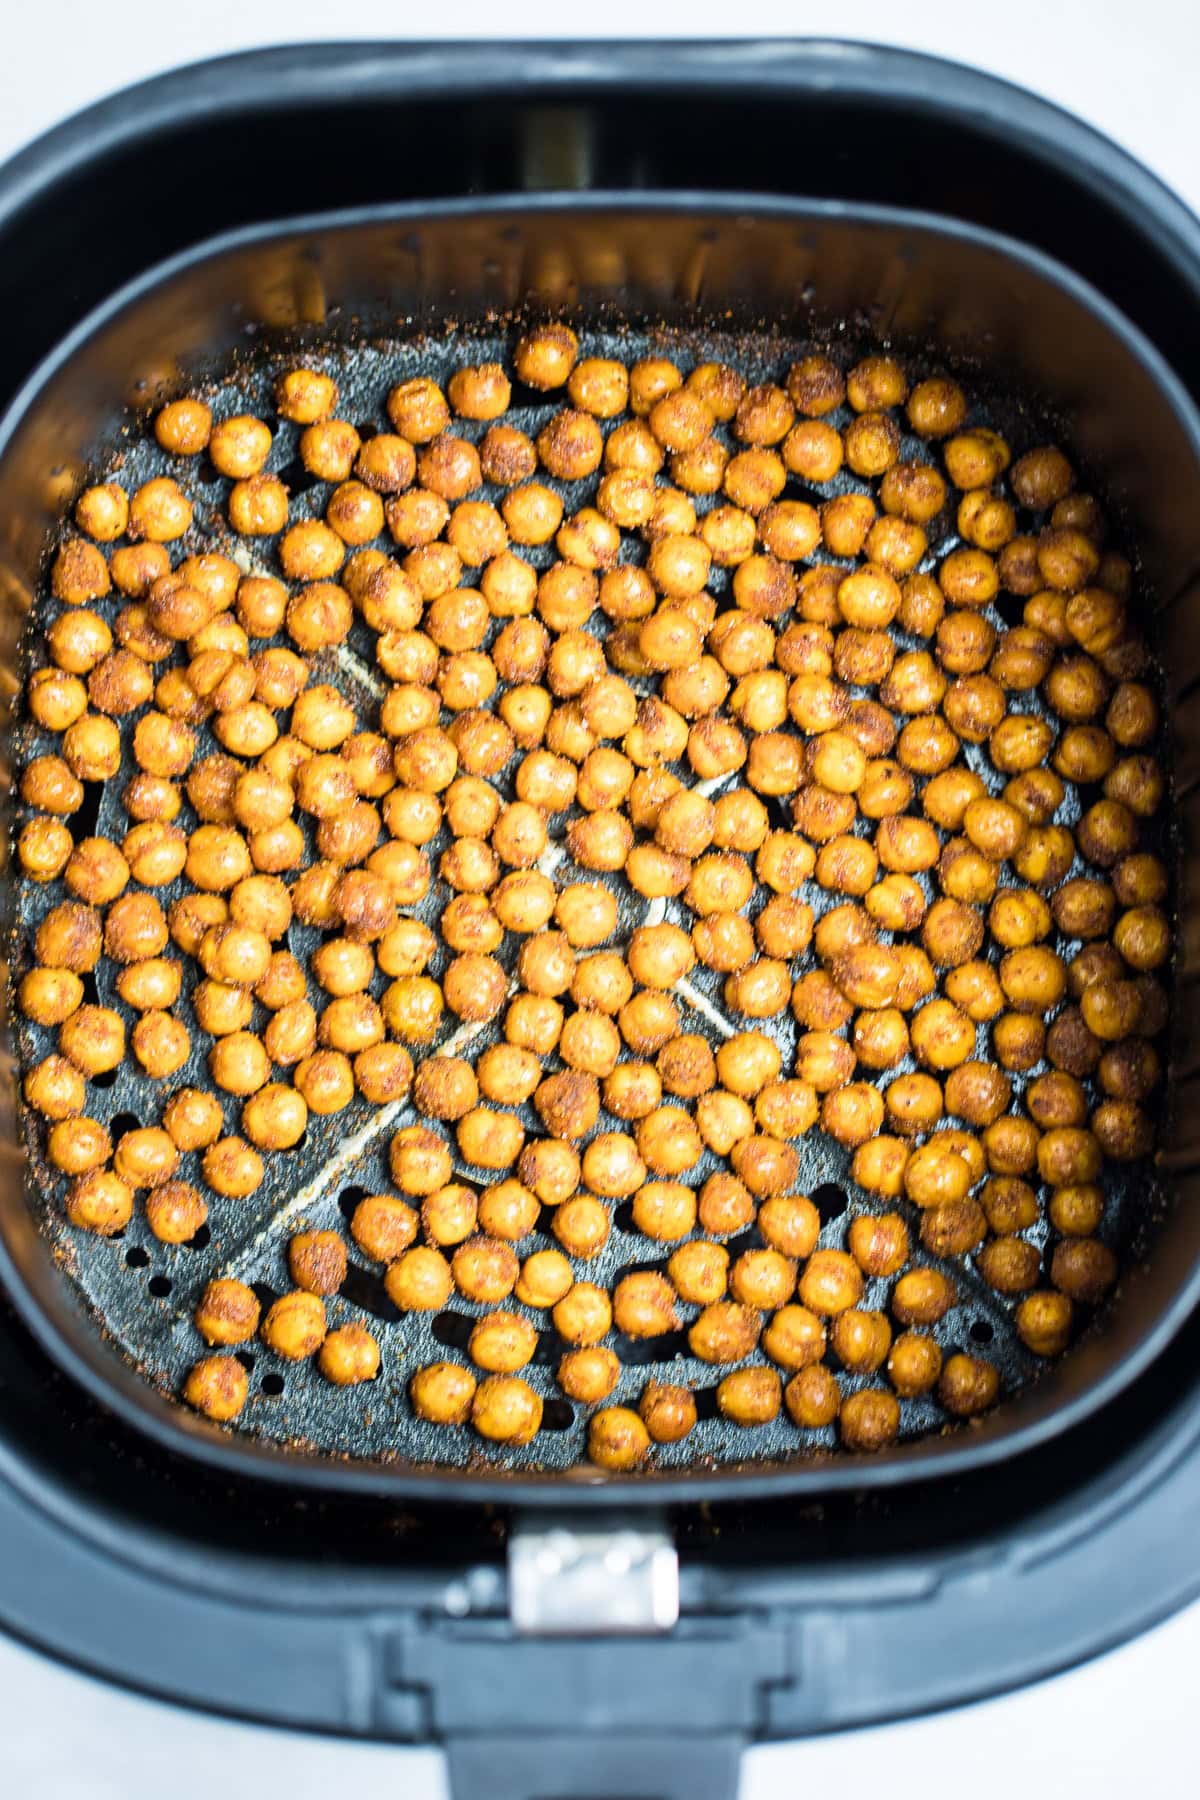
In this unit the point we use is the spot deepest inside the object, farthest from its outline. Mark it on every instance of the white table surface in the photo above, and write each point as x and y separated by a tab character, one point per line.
1121	1724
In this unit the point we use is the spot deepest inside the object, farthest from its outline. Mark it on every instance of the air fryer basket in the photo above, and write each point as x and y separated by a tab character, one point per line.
861	274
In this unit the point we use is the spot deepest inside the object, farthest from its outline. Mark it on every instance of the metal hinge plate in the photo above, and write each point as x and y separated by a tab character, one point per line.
569	1580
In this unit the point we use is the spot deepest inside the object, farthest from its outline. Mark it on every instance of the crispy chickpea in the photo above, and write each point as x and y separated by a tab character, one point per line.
101	1202
750	1396
830	1283
175	1212
812	1397
588	1375
48	996
348	1356
227	1313
317	1261
217	1386
968	1385
232	1167
295	1326
922	1297
1043	1322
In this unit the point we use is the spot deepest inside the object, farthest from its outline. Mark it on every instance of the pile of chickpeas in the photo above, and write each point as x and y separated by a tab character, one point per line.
841	698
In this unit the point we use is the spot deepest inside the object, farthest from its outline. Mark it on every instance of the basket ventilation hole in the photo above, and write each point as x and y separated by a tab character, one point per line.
453	1329
557	1415
201	1240
106	1079
271	1384
297	479
159	1286
86	816
136	1258
348	1200
246	1358
667	1348
91	993
982	1330
830	1201
124	1121
706	1403
363	1288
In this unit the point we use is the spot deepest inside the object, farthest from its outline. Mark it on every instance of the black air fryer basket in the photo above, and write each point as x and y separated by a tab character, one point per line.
820	190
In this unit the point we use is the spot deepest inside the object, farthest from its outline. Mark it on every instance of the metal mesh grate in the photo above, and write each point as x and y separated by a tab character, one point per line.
143	1291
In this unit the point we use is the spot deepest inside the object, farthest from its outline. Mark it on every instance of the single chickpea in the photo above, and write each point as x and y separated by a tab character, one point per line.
295	1326
812	1397
175	1212
101	1202
227	1313
1043	1321
217	1386
232	1168
968	1385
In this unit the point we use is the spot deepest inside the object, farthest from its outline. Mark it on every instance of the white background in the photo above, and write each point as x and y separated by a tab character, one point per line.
1124	1723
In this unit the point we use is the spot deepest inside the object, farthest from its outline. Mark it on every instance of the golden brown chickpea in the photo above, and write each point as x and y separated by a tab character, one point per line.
348	1356
812	1397
100	1201
698	1271
1130	1070
93	1038
443	1393
584	1315
830	1283
275	1118
1011	1146
182	427
417	408
489	1139
227	1313
1009	1205
936	1174
922	1297
159	510
617	1439
1044	1322
317	1261
588	1375
582	1224
968	1385
45	849
232	1168
750	1397
1077	1211
1009	1264
217	1386
175	1212
48	996
295	1326
506	1410
80	573
914	1104
879	1244
502	1343
92	748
